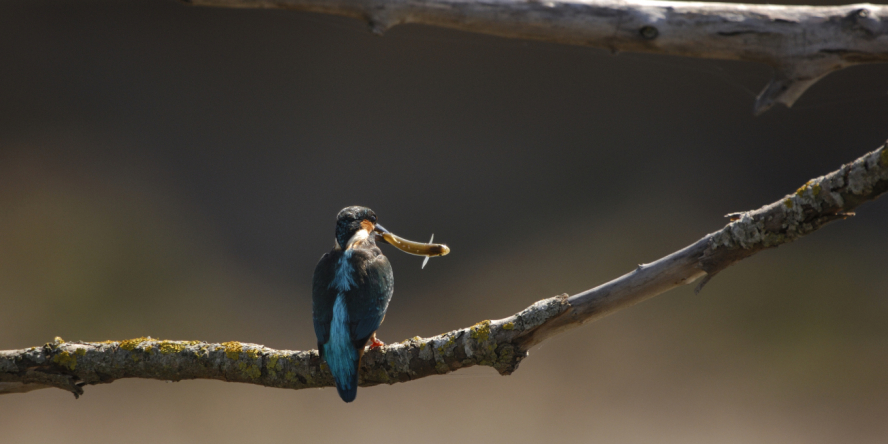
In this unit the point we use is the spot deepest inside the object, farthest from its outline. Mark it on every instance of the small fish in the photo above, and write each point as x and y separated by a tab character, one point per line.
415	248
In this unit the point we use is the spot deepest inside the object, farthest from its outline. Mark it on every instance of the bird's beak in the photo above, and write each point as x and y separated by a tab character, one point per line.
409	247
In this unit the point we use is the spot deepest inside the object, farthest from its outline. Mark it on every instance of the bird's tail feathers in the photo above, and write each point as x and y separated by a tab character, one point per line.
348	388
343	363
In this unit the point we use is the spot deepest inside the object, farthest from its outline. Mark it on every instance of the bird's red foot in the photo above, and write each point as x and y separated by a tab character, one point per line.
375	343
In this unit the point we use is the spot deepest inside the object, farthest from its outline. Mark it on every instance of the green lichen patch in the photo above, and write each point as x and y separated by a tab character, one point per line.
380	375
481	335
480	332
442	349
271	365
168	347
56	342
810	185
883	157
250	371
788	203
509	326
65	359
232	349
131	344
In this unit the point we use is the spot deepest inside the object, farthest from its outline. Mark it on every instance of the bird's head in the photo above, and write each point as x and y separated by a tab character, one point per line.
354	224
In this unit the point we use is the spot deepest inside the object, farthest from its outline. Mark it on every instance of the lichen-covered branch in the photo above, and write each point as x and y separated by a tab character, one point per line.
500	344
72	365
802	43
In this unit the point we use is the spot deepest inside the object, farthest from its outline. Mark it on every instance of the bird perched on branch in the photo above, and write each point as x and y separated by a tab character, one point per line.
351	290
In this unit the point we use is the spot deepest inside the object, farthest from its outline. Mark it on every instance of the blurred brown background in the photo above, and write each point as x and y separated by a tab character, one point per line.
175	171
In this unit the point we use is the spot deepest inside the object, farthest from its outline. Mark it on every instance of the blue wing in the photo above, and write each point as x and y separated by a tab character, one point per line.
370	299
322	299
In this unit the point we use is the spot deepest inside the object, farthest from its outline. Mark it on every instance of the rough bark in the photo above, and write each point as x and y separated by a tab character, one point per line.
500	344
801	43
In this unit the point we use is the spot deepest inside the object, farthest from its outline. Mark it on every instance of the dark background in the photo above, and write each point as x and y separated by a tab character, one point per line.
175	171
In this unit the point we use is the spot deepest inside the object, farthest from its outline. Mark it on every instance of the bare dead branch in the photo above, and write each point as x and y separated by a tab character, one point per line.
500	344
801	43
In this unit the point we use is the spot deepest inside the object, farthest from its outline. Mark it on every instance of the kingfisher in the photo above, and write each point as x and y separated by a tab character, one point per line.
351	290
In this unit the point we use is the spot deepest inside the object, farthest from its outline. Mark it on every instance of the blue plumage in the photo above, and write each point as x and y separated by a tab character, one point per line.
352	287
340	353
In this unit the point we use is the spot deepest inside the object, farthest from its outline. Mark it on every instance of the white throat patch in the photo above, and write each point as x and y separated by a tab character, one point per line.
359	236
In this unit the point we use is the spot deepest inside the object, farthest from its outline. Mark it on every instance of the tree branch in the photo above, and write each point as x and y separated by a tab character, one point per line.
801	43
500	344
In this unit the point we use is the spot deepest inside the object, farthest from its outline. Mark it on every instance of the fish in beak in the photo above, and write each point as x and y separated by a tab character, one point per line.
410	247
